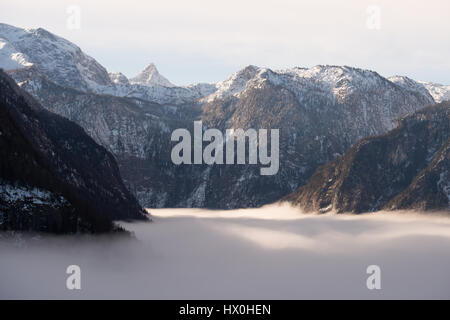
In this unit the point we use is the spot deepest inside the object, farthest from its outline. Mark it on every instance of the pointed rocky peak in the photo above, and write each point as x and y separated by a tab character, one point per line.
151	77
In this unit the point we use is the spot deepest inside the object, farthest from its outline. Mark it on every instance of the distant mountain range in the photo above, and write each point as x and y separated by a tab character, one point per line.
321	112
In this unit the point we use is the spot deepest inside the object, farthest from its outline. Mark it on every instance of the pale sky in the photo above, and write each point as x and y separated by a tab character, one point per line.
207	40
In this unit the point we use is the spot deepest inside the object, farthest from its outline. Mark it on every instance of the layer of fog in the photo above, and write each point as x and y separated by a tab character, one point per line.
269	253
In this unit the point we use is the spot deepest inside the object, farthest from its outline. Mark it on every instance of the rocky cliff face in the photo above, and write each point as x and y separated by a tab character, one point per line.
430	189
320	113
54	177
406	168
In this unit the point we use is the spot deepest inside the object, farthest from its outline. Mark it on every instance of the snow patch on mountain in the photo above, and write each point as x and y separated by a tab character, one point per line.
234	83
333	83
118	78
11	58
10	194
439	92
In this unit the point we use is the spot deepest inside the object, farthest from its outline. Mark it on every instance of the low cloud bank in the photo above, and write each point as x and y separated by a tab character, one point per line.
274	252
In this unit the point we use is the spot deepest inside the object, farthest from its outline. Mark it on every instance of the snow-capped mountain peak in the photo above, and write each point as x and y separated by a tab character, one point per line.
234	83
62	61
410	84
150	77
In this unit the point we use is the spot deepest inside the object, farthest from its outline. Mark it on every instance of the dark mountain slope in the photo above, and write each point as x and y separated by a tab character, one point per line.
405	168
54	177
430	190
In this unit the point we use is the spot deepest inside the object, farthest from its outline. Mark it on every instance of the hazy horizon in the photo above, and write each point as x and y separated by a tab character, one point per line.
206	41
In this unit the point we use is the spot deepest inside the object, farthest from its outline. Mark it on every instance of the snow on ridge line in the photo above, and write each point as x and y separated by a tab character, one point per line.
10	193
439	92
334	81
83	72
